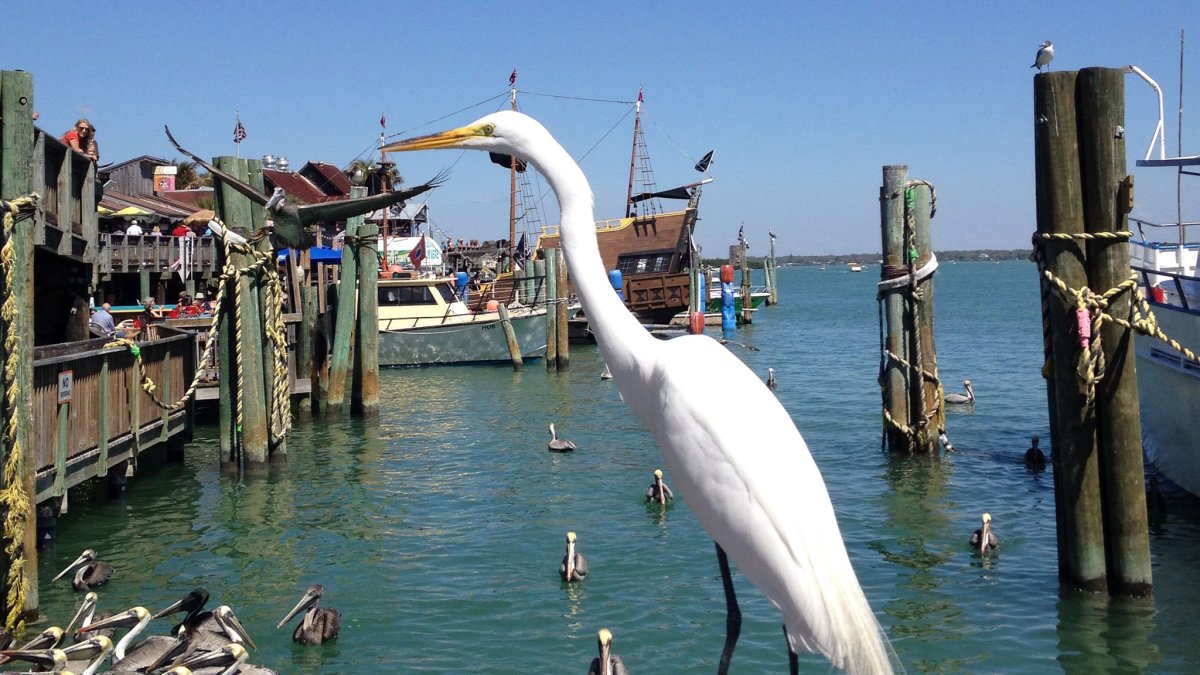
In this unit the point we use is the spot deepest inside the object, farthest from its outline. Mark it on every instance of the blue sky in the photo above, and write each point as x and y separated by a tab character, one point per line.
804	102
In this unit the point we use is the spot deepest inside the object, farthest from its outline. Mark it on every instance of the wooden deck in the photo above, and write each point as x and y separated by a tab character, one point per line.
92	413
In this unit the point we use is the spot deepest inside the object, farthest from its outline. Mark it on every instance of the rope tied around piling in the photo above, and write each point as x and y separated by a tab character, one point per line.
907	278
14	501
261	263
1091	311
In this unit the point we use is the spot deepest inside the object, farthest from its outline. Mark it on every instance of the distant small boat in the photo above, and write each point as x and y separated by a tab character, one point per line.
854	267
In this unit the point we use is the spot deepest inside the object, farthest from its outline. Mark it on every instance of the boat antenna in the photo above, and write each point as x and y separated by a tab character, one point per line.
1179	153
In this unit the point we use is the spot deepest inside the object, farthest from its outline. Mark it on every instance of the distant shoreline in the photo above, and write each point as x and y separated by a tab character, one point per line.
873	258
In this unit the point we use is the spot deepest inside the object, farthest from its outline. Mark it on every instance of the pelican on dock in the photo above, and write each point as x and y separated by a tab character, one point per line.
962	399
320	624
607	663
559	444
984	539
658	490
90	573
574	565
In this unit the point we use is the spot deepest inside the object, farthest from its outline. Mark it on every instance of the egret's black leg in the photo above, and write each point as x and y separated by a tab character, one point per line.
733	615
793	660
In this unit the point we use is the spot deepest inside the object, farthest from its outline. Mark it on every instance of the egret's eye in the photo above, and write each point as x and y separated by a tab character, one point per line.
488	129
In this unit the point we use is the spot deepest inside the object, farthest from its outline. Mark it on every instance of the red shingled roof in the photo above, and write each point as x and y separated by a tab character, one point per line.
327	177
296	186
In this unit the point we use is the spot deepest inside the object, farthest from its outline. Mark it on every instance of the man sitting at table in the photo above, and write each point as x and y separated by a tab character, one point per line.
184	309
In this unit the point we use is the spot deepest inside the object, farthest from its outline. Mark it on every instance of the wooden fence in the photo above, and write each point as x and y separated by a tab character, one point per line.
92	412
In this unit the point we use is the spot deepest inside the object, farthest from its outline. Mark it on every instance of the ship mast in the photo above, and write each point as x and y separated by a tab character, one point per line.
637	130
512	187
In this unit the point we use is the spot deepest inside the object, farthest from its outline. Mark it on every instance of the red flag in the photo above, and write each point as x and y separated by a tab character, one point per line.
383	120
418	253
239	131
512	79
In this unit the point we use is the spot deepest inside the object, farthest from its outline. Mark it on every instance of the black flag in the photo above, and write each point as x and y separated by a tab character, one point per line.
520	255
702	165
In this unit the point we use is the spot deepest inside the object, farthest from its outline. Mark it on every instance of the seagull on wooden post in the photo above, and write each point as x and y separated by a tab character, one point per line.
1045	54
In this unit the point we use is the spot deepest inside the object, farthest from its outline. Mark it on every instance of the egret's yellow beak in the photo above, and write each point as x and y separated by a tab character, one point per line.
453	138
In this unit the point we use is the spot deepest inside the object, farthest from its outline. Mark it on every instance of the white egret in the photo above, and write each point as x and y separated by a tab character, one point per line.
1045	54
755	488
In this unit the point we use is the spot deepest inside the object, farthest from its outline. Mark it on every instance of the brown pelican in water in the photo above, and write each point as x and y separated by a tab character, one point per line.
231	657
192	603
607	374
658	490
962	399
984	539
189	642
1034	457
320	624
87	656
559	444
574	565
91	572
607	663
771	381
52	660
128	656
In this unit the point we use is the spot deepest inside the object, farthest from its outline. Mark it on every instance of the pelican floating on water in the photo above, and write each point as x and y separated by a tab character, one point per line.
320	624
658	490
91	572
86	657
192	603
128	656
607	374
574	565
984	539
771	382
962	399
53	660
559	444
607	663
1034	457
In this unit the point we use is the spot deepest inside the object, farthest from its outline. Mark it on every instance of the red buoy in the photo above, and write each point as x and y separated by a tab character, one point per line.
696	323
727	274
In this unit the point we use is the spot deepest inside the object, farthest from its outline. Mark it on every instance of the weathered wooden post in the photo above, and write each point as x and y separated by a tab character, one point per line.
364	395
1062	255
772	280
747	288
894	376
1107	200
305	344
245	369
551	310
926	395
347	306
16	181
510	338
562	328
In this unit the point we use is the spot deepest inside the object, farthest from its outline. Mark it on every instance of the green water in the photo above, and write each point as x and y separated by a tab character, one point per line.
437	531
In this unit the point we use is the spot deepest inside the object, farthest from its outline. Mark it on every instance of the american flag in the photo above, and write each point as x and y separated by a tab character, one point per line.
239	131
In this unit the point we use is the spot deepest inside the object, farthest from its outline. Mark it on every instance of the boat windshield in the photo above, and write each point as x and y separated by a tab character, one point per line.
399	296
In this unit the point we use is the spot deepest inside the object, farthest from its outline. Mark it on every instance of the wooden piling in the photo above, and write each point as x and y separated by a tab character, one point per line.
1060	212
1107	192
16	180
364	395
551	312
747	287
246	378
895	376
510	338
562	328
347	307
304	345
924	391
772	281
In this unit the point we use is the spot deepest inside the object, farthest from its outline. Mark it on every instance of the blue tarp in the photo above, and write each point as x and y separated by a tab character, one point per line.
319	254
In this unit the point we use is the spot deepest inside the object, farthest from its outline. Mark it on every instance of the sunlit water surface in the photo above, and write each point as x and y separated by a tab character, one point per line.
437	530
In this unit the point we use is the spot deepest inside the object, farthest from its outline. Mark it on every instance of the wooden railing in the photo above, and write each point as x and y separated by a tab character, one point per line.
91	411
66	181
134	253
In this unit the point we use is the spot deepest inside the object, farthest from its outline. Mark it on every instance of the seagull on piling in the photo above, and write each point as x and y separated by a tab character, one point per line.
1045	55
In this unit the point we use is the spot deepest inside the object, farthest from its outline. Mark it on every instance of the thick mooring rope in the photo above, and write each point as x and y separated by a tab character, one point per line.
278	403
13	498
1092	310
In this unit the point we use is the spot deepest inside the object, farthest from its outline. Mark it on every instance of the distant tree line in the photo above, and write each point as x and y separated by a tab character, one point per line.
873	258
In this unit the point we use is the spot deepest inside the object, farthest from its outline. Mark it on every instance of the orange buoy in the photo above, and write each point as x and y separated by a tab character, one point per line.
696	323
493	305
727	274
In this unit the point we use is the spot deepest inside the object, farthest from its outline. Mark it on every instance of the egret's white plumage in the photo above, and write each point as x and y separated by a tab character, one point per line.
755	488
1045	54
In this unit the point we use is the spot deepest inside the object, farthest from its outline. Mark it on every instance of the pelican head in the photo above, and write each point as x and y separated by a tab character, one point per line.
570	537
93	648
54	660
192	602
310	598
225	656
127	619
87	610
83	559
658	474
232	626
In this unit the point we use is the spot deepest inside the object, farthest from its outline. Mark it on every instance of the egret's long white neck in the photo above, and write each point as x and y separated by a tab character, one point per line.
618	333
